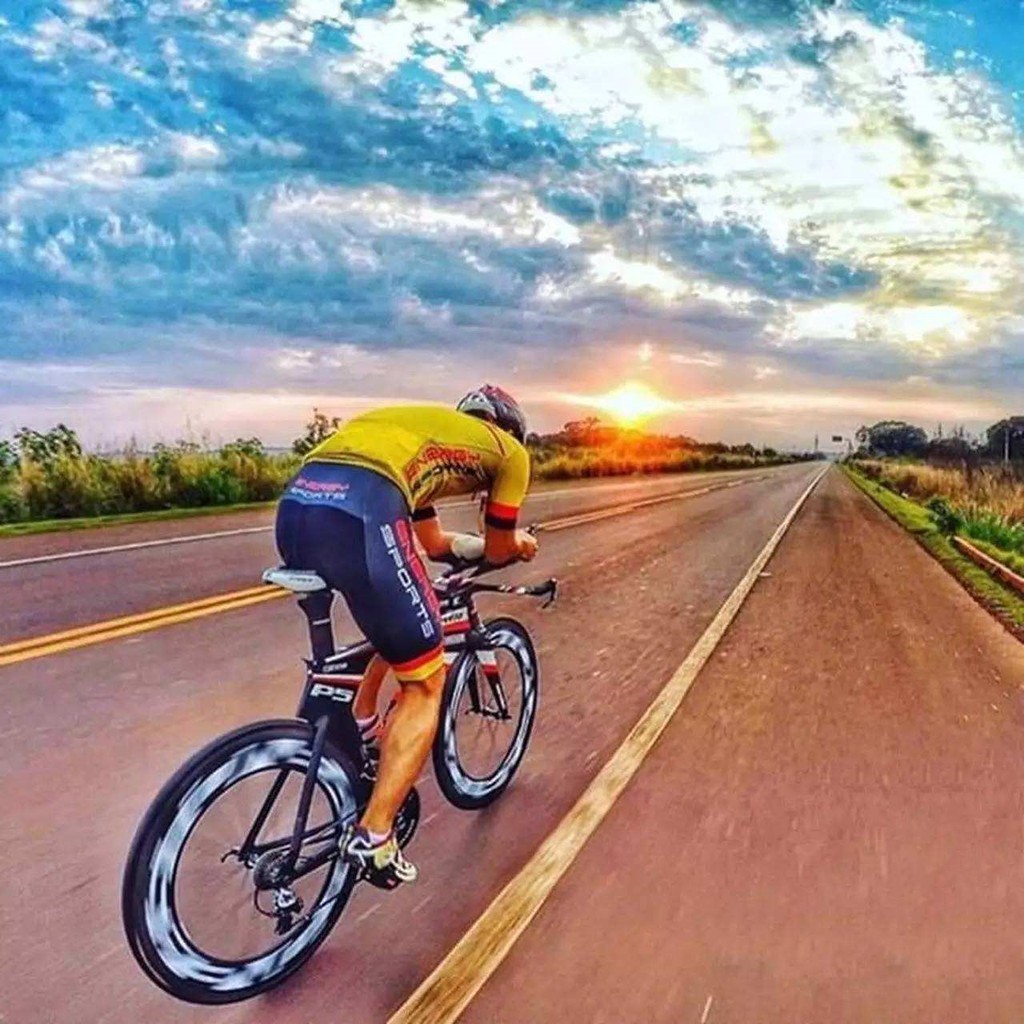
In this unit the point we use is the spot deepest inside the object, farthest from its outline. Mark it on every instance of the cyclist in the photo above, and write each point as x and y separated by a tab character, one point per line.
350	514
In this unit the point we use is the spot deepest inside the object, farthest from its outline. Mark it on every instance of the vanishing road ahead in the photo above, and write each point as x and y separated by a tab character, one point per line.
830	829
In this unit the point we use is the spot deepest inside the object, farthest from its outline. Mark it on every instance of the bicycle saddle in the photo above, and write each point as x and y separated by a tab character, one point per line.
299	581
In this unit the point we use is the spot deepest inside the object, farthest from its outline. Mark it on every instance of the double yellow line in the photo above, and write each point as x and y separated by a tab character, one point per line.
129	625
582	518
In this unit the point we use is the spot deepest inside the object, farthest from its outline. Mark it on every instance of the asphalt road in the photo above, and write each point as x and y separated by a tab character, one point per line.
830	829
59	592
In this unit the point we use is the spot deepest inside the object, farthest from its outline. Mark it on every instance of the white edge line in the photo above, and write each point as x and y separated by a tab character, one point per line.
191	537
137	545
451	986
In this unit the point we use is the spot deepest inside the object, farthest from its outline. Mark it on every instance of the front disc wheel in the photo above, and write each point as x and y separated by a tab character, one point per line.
488	710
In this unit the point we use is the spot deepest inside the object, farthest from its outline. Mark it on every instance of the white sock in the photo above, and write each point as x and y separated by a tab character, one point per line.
369	728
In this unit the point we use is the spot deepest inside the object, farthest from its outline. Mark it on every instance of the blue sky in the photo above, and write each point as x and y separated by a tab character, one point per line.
220	213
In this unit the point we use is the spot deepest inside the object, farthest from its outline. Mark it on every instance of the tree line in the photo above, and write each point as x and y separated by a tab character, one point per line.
49	475
1003	441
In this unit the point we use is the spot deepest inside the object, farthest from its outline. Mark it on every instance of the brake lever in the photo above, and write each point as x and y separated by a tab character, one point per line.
552	586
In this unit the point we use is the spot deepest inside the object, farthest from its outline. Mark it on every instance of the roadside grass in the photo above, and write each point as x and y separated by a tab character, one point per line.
1011	559
30	527
992	496
27	528
995	530
77	491
623	460
1005	604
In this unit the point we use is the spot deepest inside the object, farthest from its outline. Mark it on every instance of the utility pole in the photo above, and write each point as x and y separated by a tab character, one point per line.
815	444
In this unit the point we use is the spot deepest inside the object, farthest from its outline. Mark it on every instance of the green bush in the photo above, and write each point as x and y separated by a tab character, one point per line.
980	524
48	476
947	518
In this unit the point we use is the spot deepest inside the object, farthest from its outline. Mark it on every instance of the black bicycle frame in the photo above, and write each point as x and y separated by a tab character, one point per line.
332	679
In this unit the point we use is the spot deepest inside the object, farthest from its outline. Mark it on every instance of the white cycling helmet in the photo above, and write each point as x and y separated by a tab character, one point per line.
498	406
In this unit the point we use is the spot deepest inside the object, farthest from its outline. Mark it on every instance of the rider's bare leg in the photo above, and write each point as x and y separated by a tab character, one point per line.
368	695
404	750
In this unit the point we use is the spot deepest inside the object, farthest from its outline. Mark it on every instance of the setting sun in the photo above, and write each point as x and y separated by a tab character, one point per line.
632	403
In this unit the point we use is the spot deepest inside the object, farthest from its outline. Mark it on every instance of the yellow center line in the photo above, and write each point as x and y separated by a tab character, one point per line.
567	522
127	620
130	625
110	631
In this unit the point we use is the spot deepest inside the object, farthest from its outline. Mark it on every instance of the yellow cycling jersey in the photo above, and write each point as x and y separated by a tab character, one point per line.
432	452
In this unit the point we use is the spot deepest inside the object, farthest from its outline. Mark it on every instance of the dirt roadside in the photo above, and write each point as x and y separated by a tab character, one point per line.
832	828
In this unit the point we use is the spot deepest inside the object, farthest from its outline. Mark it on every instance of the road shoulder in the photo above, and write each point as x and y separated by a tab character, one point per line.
830	827
991	593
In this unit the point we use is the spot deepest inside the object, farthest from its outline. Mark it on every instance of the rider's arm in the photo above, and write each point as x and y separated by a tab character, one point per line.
502	541
435	542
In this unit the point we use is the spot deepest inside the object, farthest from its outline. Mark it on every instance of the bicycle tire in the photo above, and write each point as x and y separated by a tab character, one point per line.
158	941
459	787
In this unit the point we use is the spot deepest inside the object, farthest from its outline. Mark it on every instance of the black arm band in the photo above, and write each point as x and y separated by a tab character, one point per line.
499	522
420	514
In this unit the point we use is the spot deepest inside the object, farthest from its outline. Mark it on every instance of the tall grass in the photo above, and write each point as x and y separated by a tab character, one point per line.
576	463
59	481
172	477
986	503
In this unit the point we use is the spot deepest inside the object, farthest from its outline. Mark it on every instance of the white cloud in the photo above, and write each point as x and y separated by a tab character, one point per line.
457	79
386	41
196	151
857	404
504	211
330	12
882	162
88	8
270	39
358	362
667	286
295	32
706	358
102	168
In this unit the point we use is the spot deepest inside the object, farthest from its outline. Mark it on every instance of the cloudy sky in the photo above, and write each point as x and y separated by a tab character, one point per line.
218	213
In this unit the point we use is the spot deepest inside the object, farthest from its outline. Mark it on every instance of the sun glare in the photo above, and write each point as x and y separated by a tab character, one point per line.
632	403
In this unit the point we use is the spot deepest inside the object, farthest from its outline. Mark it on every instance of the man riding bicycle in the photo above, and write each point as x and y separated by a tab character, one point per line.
350	515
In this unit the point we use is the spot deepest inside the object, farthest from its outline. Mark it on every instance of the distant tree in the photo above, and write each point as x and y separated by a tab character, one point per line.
47	448
8	460
950	449
684	441
167	457
1006	438
585	433
892	438
252	447
318	429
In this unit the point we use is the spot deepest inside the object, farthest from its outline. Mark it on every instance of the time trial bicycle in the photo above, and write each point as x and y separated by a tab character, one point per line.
234	877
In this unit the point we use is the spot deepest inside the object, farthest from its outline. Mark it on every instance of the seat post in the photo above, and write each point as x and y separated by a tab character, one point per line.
317	607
